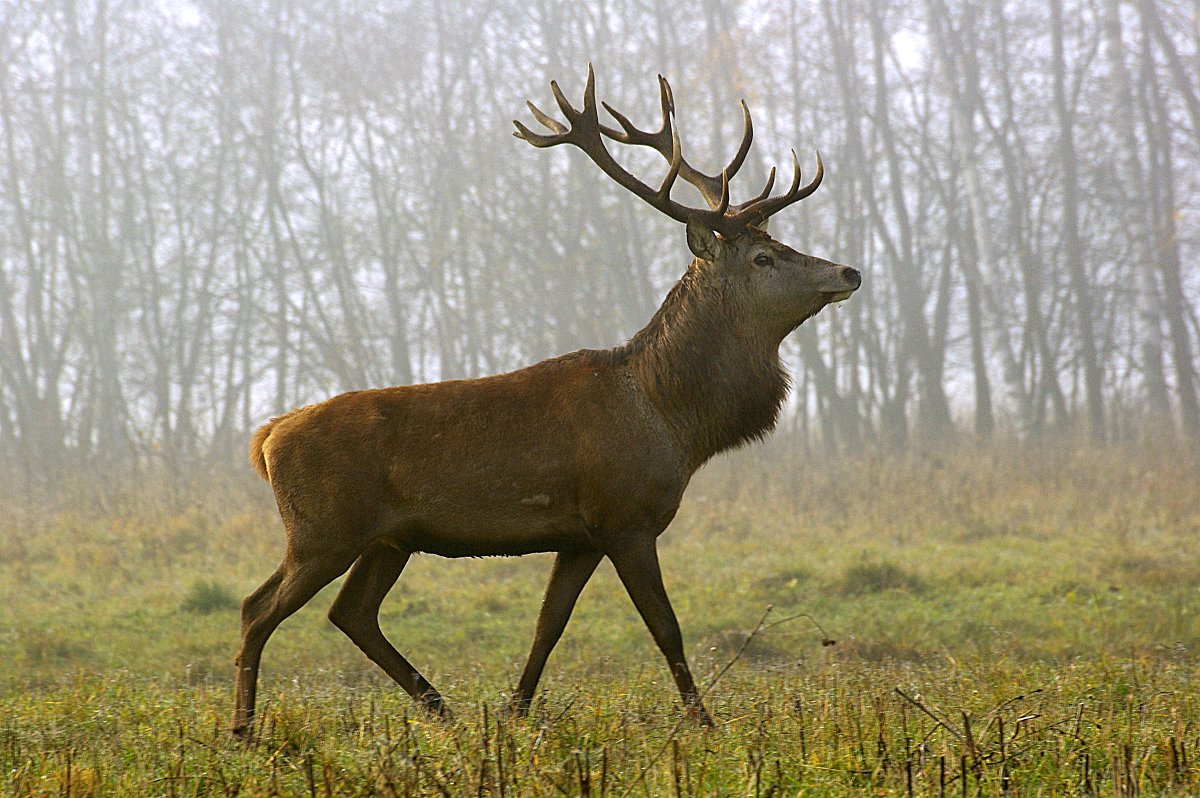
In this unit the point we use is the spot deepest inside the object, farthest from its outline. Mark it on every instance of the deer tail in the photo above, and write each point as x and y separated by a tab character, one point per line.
257	458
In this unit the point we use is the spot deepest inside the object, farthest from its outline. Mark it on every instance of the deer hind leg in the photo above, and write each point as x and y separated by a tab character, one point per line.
356	612
637	566
571	572
288	589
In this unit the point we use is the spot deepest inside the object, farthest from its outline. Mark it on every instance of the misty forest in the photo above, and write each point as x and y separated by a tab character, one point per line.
973	539
213	214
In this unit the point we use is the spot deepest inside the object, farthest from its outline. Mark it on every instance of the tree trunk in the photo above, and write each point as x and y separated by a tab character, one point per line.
1073	247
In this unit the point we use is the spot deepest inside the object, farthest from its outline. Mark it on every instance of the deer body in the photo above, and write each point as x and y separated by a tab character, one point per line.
586	455
541	459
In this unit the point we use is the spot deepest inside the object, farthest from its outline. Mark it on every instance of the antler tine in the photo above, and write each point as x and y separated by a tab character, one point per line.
766	192
589	98
763	207
545	119
747	138
664	191
539	139
666	95
816	179
723	202
795	175
564	104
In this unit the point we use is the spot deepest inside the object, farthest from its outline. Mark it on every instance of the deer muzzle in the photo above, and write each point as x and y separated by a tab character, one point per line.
850	280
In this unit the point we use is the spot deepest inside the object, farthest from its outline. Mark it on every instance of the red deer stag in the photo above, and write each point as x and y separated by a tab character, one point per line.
586	455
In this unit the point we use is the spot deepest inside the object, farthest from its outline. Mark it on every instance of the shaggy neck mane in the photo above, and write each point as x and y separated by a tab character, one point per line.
717	382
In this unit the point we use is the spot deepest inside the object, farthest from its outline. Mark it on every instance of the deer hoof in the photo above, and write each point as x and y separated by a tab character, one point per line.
518	707
700	716
434	705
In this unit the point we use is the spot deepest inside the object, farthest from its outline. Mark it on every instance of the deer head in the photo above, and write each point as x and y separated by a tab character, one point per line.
768	284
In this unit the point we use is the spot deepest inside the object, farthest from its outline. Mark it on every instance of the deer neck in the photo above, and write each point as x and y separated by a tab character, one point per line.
716	380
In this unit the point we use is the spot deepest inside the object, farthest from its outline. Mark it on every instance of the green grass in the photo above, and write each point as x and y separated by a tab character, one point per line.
1029	617
206	596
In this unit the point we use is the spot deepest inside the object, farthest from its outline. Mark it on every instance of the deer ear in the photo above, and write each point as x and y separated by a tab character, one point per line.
761	225
703	242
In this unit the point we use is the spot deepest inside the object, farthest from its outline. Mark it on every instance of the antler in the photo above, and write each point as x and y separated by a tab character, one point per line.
661	141
586	132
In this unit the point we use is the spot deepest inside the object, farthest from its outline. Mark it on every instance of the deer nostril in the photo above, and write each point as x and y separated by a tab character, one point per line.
852	276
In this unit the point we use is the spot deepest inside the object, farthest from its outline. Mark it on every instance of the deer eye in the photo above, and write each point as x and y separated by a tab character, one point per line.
763	259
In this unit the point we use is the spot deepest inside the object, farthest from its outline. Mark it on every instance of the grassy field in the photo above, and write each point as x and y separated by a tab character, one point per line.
1021	622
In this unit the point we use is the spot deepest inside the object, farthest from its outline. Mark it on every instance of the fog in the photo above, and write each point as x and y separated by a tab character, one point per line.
212	212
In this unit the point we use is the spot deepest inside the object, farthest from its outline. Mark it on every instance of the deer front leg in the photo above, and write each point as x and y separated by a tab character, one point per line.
637	566
571	572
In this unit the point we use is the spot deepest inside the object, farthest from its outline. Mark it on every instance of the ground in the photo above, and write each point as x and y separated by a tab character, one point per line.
971	621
